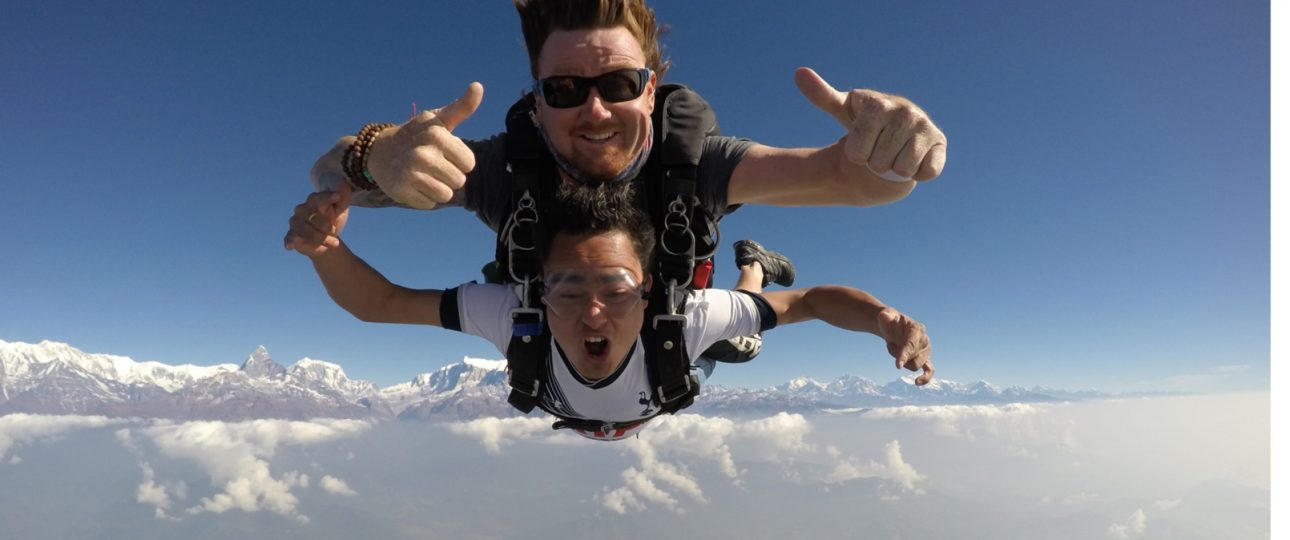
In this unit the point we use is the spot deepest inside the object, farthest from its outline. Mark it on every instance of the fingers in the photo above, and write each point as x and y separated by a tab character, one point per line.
437	148
908	343
892	136
430	187
315	223
928	373
822	94
453	114
932	164
344	194
421	163
888	134
897	135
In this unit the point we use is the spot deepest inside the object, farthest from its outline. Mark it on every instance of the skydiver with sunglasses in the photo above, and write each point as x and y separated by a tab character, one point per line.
590	68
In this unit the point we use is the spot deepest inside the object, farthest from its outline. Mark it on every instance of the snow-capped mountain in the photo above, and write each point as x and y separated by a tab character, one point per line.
56	378
471	388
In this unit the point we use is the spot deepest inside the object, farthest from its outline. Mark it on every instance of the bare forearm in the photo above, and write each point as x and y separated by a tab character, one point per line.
844	307
328	173
809	177
858	311
369	296
352	283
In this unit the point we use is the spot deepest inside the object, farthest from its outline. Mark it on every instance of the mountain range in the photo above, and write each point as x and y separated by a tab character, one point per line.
56	378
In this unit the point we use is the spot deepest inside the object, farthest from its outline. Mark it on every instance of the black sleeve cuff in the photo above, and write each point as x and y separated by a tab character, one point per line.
766	313
449	313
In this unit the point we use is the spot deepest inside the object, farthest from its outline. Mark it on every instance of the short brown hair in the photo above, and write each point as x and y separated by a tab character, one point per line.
538	18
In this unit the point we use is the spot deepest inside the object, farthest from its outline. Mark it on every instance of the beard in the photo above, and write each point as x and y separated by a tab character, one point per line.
596	201
603	165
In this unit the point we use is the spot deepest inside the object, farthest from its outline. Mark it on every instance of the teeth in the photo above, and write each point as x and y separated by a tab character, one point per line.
598	136
596	339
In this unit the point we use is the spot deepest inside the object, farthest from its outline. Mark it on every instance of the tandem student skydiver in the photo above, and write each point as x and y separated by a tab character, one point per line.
594	295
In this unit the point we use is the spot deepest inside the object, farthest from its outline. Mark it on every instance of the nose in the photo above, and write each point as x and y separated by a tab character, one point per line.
593	315
595	109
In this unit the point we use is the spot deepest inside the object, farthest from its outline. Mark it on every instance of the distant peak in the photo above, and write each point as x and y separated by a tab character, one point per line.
479	363
261	366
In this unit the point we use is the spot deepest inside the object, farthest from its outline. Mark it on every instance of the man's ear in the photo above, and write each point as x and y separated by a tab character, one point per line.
650	87
649	284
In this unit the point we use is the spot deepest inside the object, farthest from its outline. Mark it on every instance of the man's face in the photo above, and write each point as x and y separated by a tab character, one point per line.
598	137
597	320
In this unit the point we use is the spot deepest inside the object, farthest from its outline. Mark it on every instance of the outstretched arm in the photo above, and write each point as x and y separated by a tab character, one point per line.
888	142
358	288
853	309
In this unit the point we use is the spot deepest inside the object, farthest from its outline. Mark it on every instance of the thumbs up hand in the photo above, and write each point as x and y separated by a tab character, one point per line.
888	134
421	163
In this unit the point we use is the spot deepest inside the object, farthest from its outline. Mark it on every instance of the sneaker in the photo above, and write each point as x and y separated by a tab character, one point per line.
735	350
775	267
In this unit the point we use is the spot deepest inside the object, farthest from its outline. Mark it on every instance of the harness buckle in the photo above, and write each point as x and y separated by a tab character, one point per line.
679	320
526	322
663	397
531	392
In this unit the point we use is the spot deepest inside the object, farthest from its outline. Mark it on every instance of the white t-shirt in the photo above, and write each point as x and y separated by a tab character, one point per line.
624	396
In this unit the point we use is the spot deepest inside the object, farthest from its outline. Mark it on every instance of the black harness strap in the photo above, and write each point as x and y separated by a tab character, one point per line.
689	120
526	354
668	184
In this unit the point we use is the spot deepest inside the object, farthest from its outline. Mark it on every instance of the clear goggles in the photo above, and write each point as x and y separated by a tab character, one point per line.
570	292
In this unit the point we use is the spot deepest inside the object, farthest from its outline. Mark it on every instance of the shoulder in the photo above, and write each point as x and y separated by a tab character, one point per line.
487	190
727	147
476	294
724	306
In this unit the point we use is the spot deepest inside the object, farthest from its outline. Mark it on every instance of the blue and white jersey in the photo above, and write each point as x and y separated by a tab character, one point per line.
625	396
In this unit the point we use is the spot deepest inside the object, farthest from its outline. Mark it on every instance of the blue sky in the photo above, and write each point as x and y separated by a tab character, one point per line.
1102	222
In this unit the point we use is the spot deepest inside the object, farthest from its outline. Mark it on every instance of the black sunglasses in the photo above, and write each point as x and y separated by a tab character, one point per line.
566	91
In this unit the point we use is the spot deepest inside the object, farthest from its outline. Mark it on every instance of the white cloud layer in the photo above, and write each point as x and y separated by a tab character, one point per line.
1109	469
235	458
497	433
666	453
970	421
17	430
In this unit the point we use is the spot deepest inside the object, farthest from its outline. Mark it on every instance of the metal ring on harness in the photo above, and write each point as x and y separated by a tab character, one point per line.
677	222
525	212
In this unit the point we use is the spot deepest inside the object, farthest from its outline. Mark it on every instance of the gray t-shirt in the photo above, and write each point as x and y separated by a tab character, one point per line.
487	191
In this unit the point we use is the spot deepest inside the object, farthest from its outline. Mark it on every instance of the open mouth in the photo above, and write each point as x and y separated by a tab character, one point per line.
599	137
595	346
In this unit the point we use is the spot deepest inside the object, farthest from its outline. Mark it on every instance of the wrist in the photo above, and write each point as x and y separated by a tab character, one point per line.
355	160
331	257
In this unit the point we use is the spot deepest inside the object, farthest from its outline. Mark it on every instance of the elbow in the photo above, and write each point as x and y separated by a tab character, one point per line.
366	316
376	311
368	310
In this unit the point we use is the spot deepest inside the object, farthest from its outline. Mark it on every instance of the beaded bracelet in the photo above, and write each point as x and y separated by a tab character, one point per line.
354	162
